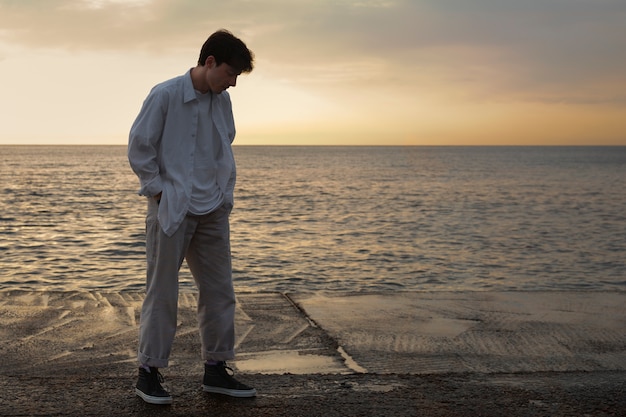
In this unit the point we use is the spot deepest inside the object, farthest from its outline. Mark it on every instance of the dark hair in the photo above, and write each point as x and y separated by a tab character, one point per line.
226	48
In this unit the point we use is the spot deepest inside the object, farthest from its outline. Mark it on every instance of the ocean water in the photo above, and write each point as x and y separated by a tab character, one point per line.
334	219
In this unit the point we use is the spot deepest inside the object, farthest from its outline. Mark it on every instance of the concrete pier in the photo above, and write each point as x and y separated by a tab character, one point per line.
370	354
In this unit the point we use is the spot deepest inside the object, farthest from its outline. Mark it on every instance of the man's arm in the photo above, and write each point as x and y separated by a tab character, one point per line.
143	145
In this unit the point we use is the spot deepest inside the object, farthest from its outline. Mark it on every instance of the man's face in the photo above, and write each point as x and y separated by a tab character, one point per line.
220	77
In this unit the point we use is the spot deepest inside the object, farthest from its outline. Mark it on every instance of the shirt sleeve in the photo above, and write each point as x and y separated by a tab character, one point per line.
230	186
144	141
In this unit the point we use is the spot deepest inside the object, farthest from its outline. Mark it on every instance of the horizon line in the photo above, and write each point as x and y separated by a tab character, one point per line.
350	145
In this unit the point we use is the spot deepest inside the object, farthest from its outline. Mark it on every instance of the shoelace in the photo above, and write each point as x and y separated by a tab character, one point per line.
222	366
160	377
229	371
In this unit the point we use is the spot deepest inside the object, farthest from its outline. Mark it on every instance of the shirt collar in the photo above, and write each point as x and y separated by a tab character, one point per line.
189	93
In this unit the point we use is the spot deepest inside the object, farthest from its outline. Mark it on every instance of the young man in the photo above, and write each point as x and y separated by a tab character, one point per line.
180	148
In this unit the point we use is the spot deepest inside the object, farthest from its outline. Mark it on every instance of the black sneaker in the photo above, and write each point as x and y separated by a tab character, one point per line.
149	387
219	379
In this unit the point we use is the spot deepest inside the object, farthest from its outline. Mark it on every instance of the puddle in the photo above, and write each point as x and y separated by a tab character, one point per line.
293	362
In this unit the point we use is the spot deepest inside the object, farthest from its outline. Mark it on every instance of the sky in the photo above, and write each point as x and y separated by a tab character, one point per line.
327	72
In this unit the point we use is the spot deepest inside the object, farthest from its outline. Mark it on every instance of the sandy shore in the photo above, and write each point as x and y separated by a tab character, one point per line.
402	354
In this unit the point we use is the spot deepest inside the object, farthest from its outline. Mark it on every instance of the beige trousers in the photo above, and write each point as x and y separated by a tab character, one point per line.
204	242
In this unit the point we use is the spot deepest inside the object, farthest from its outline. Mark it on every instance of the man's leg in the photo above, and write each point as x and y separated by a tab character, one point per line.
208	257
157	325
210	263
165	254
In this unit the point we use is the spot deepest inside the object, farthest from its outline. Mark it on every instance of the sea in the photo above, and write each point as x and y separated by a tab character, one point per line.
334	219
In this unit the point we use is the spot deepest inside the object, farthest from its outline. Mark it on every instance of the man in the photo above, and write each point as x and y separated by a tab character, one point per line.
180	148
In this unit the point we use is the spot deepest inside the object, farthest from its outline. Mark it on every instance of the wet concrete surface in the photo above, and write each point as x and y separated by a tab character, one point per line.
401	354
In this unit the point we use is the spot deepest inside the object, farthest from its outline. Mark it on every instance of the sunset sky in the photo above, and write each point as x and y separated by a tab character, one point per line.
340	72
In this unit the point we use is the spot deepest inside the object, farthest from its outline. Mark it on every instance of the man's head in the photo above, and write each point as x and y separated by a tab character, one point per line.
227	49
222	58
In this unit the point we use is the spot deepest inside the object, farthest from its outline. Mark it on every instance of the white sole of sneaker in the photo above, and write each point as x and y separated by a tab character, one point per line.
230	392
151	399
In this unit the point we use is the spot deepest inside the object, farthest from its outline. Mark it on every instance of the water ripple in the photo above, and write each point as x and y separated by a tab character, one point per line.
326	219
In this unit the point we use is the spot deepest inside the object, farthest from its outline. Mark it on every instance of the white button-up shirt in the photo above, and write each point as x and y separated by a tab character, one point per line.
162	143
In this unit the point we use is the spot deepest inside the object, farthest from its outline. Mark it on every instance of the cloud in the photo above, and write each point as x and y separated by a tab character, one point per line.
552	40
392	56
556	47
